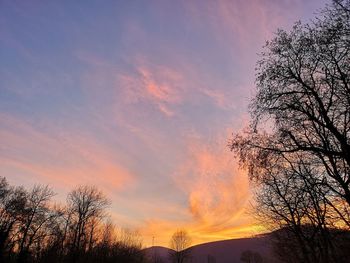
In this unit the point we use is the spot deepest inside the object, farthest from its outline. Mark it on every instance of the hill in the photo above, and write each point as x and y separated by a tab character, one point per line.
158	254
225	251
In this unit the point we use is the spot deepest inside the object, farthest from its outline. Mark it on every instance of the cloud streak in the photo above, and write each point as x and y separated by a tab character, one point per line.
64	159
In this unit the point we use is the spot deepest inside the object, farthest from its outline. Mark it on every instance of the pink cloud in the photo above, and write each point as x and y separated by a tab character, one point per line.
158	85
64	159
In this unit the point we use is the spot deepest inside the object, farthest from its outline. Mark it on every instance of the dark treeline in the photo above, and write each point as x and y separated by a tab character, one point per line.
297	148
35	229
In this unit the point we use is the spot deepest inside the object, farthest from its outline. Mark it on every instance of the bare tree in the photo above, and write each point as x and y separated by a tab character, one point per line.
300	161
12	207
180	244
303	89
86	204
291	201
35	229
37	214
118	245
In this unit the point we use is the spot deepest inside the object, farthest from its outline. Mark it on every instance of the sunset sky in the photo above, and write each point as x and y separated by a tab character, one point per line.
140	99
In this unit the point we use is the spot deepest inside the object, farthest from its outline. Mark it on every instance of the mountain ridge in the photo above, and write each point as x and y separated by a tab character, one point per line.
221	251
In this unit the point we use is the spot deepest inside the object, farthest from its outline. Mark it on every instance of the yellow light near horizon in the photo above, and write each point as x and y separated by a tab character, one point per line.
199	236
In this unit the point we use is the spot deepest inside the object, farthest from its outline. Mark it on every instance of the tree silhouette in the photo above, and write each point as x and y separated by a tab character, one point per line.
37	214
180	243
35	229
86	205
297	147
12	209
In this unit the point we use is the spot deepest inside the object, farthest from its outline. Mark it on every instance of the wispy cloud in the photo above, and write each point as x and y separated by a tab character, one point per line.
59	158
218	195
217	188
158	85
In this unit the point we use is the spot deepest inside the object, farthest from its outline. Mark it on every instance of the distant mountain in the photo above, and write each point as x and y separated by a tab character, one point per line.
158	254
226	251
229	251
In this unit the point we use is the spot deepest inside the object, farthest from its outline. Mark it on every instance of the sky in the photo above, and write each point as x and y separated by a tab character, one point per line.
139	98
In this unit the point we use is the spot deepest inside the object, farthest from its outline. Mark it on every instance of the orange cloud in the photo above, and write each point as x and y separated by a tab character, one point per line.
218	197
217	188
62	159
